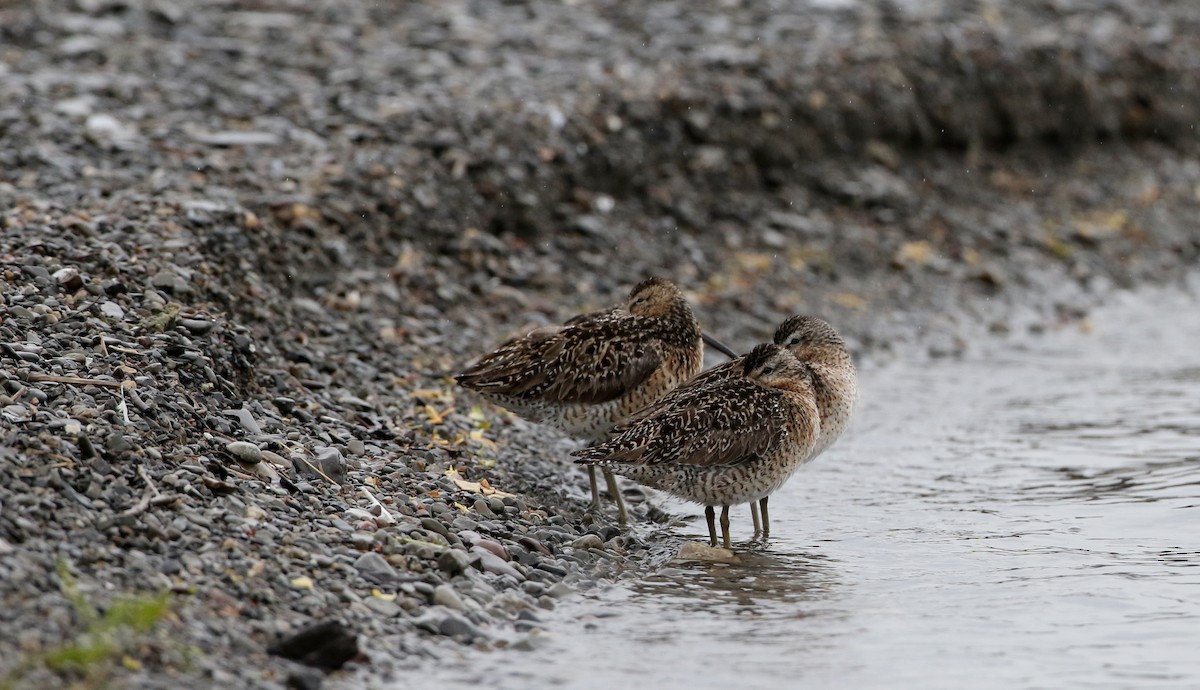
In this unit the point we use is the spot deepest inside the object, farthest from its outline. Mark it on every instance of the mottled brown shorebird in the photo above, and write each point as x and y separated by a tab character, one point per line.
590	373
727	442
835	382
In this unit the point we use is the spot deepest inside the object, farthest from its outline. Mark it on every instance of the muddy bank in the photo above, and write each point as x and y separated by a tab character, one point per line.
284	226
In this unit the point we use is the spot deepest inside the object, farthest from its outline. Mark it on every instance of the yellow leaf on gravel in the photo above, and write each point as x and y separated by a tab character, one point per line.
849	300
302	582
381	595
435	417
917	253
428	395
480	487
477	435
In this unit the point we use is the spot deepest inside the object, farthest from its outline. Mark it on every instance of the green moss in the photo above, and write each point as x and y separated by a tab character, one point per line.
105	640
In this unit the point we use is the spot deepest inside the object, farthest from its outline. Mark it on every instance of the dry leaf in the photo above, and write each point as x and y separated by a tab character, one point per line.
479	487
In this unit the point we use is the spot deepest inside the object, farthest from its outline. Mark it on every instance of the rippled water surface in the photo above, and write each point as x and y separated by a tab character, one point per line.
1025	517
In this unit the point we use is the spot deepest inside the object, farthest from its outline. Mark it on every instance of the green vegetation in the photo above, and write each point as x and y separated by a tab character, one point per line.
106	639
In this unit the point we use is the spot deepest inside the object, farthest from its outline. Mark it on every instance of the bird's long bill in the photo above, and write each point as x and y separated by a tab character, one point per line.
718	345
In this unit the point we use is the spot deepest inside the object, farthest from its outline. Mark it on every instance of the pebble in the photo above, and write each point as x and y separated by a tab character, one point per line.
171	282
106	130
454	626
197	326
112	310
453	561
447	596
588	541
246	420
383	607
435	526
491	563
245	452
494	547
696	551
560	590
375	568
69	278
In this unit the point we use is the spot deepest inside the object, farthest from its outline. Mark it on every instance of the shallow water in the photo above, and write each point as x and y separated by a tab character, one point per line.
1027	516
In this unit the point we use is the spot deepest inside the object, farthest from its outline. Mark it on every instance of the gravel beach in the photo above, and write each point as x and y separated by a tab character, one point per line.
244	246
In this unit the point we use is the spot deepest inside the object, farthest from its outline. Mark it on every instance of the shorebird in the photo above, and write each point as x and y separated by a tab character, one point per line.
835	381
731	441
593	371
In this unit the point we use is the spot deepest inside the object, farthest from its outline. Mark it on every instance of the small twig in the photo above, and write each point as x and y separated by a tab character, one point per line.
146	478
74	380
133	511
318	470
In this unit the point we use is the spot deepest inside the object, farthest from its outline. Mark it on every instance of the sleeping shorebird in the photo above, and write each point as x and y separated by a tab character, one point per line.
727	442
590	373
835	381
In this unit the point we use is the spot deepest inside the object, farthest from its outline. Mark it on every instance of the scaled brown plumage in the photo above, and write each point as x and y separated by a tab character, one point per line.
596	369
835	383
726	442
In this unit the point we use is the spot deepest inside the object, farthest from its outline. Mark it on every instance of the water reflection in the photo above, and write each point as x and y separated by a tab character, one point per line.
764	581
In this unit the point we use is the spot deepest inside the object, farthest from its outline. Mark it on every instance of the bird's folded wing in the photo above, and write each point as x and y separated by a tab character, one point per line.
725	423
591	361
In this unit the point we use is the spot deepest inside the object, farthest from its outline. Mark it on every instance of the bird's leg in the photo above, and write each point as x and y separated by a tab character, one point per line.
725	525
595	488
765	518
711	516
754	516
615	492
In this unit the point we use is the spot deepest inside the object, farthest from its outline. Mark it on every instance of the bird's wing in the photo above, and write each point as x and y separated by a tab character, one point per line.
721	372
724	423
592	360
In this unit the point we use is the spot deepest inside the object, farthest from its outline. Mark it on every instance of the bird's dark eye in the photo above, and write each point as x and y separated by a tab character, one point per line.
768	370
794	341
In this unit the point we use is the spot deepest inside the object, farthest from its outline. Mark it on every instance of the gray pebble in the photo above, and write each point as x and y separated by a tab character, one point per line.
245	452
245	419
435	526
446	595
197	326
588	541
381	606
453	561
491	563
374	567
